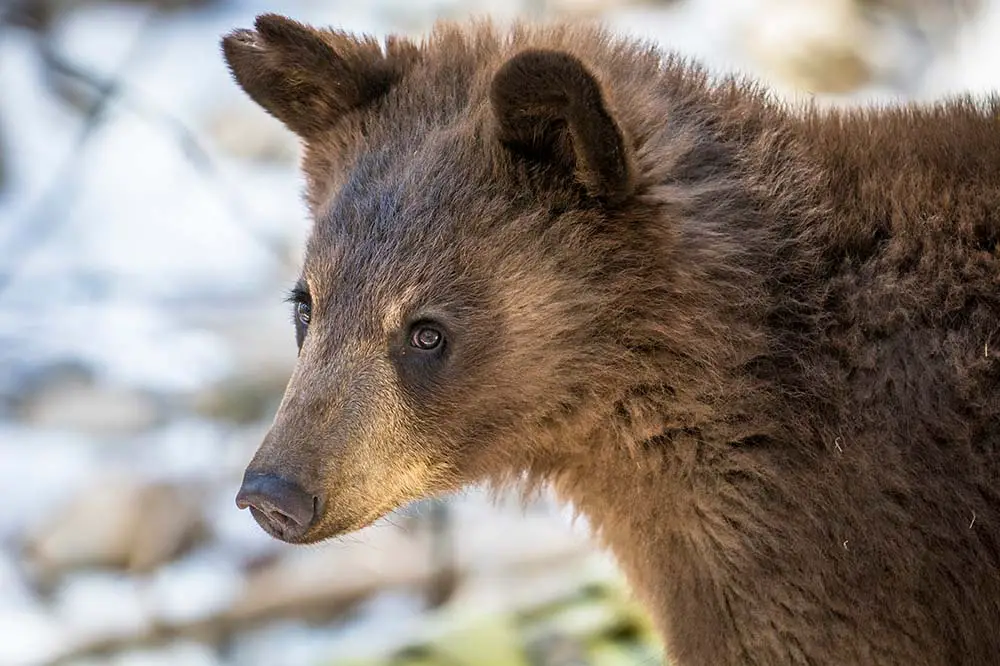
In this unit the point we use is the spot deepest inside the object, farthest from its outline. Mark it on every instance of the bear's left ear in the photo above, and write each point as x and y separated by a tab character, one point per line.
308	78
550	109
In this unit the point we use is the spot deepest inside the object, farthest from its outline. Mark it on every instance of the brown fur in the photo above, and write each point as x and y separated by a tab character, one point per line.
758	348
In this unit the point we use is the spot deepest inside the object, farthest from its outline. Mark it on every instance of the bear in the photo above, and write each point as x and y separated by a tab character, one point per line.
756	345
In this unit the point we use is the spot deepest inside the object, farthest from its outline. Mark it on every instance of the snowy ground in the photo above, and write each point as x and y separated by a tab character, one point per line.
143	341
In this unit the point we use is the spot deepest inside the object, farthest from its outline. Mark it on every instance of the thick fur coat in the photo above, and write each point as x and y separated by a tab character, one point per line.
758	347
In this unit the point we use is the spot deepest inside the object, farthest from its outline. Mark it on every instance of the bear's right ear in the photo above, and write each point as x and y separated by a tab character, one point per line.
550	109
308	78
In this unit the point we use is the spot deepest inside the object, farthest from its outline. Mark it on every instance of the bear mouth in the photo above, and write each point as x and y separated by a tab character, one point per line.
280	527
323	529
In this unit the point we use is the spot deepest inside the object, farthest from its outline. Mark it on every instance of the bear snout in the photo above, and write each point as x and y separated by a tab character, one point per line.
281	507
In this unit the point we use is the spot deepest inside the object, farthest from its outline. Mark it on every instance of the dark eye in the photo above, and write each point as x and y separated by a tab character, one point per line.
425	337
302	312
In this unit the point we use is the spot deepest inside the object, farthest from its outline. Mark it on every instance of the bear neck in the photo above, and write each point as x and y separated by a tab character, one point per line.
669	461
664	464
669	508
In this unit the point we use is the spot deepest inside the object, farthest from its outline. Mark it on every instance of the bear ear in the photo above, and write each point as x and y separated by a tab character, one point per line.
308	78
550	109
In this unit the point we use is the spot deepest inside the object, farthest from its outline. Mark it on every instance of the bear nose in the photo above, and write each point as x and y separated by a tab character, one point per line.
282	508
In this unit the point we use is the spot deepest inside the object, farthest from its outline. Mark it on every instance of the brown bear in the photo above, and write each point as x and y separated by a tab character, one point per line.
757	347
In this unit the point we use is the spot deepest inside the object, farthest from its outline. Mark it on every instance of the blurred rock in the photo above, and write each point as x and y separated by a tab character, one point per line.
48	468
843	46
261	344
76	403
262	347
582	7
936	18
820	47
96	607
312	581
522	588
26	378
195	588
242	400
486	546
286	642
387	621
323	580
191	449
117	523
594	7
248	133
183	653
30	636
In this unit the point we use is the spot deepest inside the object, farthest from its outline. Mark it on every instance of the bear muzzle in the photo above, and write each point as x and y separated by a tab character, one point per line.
281	507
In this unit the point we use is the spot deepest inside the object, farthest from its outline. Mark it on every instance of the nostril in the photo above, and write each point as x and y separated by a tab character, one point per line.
280	502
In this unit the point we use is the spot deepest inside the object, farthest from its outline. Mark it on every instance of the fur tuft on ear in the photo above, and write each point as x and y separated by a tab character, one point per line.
551	109
308	78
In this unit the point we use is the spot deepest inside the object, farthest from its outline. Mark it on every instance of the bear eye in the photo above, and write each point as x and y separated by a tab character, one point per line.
425	337
302	312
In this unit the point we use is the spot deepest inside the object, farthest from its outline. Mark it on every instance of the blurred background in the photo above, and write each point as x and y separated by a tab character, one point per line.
150	223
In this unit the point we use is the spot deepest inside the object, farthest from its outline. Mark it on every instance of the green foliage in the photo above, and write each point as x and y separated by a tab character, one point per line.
597	627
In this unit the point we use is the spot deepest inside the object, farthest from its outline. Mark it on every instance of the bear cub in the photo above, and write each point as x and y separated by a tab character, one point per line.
757	346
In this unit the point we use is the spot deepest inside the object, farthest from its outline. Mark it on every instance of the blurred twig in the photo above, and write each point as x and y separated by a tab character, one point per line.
186	138
40	223
43	220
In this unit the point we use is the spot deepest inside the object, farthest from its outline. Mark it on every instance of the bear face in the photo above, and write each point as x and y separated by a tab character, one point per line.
458	297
